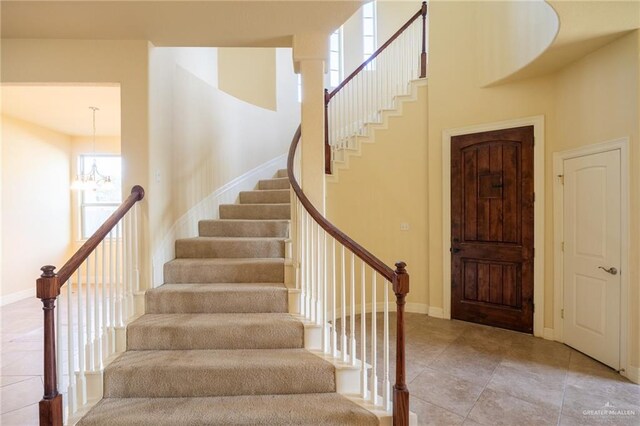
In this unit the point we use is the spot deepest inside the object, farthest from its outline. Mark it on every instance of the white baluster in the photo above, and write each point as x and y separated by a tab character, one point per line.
96	347
60	360
314	273
82	384
308	238
343	307
386	384
130	266
125	271
112	293
334	331
89	312
118	277
319	282
103	342
71	350
323	286
136	243
374	340
363	335
352	311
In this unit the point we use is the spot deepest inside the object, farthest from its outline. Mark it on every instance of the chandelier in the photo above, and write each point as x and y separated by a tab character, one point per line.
94	179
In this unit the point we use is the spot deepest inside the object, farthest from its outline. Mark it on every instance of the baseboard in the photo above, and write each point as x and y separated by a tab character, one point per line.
633	374
18	295
416	308
436	312
187	225
548	333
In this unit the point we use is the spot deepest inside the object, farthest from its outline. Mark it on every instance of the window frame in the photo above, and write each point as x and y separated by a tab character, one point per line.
373	17
339	69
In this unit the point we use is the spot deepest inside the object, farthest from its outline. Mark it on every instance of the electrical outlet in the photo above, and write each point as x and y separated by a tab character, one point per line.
404	226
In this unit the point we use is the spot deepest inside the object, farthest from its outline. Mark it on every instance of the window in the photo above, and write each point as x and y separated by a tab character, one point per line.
335	58
369	29
97	205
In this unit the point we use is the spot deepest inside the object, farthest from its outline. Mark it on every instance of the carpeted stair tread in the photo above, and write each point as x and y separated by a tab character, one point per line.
224	271
244	228
273	196
217	298
275	183
189	373
326	409
255	211
229	247
214	331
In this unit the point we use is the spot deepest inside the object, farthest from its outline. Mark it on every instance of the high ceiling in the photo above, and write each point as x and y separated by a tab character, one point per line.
176	23
65	109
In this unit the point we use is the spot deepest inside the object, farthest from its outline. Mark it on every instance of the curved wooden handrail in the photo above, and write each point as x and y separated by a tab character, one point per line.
422	12
137	194
329	227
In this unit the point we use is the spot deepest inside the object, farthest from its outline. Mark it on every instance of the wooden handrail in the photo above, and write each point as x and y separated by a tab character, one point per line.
137	194
48	288
399	279
422	12
329	227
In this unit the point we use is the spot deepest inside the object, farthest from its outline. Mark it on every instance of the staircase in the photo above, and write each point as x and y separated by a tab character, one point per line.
217	344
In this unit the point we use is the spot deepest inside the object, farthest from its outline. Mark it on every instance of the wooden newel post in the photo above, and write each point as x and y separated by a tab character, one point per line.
423	55
400	391
327	148
47	289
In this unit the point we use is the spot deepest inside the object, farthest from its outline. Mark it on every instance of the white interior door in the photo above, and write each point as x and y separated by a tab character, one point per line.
592	255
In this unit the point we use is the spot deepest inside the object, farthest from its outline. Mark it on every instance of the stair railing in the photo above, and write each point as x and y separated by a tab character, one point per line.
338	280
83	333
373	86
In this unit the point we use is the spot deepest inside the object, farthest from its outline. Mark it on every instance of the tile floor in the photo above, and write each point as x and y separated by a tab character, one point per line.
458	374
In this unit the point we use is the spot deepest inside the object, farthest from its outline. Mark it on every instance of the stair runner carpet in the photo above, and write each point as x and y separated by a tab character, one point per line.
216	345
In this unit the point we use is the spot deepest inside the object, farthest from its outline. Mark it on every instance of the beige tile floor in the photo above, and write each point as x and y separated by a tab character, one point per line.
458	374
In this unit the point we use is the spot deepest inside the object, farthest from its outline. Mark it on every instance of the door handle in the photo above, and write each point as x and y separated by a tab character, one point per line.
454	250
612	270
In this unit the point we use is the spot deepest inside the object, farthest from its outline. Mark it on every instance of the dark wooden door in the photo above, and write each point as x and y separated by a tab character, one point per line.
492	228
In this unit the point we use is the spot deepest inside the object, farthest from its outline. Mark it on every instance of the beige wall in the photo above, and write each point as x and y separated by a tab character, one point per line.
249	74
373	217
201	138
596	101
36	207
95	61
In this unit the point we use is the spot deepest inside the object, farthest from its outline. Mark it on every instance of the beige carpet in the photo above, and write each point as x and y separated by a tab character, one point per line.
216	345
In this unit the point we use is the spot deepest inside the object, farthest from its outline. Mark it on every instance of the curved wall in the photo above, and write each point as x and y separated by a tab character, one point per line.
513	34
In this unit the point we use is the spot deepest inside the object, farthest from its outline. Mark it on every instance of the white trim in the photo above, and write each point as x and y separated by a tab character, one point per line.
538	188
548	333
17	295
187	225
632	373
436	312
621	144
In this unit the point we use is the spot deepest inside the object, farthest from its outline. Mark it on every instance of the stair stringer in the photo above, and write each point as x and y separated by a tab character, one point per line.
370	129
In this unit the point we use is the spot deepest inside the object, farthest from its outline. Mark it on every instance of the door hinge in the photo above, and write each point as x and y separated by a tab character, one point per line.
561	177
562	313
562	246
534	307
534	252
534	197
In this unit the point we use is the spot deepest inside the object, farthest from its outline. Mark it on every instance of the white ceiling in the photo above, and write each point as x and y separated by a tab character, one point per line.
176	23
65	109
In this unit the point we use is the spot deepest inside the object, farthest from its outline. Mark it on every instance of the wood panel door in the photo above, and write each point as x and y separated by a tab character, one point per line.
492	228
